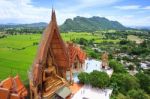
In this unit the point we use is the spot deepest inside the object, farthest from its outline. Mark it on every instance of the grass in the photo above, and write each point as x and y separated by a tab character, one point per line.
16	55
17	52
135	38
73	35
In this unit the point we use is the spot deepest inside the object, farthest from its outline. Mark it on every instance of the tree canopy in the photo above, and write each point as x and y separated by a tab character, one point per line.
99	79
95	78
117	67
83	77
144	80
123	82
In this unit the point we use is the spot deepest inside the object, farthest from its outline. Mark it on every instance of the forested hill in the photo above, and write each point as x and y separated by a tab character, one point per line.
39	25
90	24
78	24
12	28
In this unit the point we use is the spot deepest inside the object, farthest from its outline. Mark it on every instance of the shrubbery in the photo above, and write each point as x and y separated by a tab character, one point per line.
123	82
99	79
137	94
123	42
144	80
93	55
117	67
132	94
84	77
95	78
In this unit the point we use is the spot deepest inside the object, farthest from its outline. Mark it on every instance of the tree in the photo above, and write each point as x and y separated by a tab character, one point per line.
144	80
123	42
147	71
83	77
117	67
93	55
124	82
137	94
110	56
120	96
83	41
131	67
99	79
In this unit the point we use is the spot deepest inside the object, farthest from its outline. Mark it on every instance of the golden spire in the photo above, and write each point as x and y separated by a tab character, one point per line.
53	17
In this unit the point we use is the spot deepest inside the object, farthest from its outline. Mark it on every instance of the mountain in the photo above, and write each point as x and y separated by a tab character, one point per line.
90	24
142	27
78	24
39	25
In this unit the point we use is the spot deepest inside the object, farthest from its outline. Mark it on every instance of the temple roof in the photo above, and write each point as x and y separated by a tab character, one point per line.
51	49
52	41
12	87
75	51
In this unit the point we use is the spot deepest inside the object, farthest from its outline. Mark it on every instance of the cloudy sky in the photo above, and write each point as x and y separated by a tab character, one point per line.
128	12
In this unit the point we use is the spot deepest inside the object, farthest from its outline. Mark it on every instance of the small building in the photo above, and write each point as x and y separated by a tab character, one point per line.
145	65
12	88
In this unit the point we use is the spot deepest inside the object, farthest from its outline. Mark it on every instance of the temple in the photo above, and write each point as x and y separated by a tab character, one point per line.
48	73
12	88
77	58
104	60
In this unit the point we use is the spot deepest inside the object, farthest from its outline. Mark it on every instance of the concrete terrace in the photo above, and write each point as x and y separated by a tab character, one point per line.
91	65
87	91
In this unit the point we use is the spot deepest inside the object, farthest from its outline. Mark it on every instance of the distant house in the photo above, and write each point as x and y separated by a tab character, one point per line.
12	88
145	65
123	55
97	49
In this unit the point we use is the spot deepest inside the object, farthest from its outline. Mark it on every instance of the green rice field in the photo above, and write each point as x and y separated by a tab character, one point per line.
17	52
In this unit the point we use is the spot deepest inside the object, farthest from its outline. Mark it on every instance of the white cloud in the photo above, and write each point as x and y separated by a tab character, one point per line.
22	11
89	3
73	11
131	20
128	7
132	7
147	8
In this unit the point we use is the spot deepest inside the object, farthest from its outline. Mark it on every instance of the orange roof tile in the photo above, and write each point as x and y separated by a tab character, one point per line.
4	93
12	87
14	96
75	51
21	90
7	83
